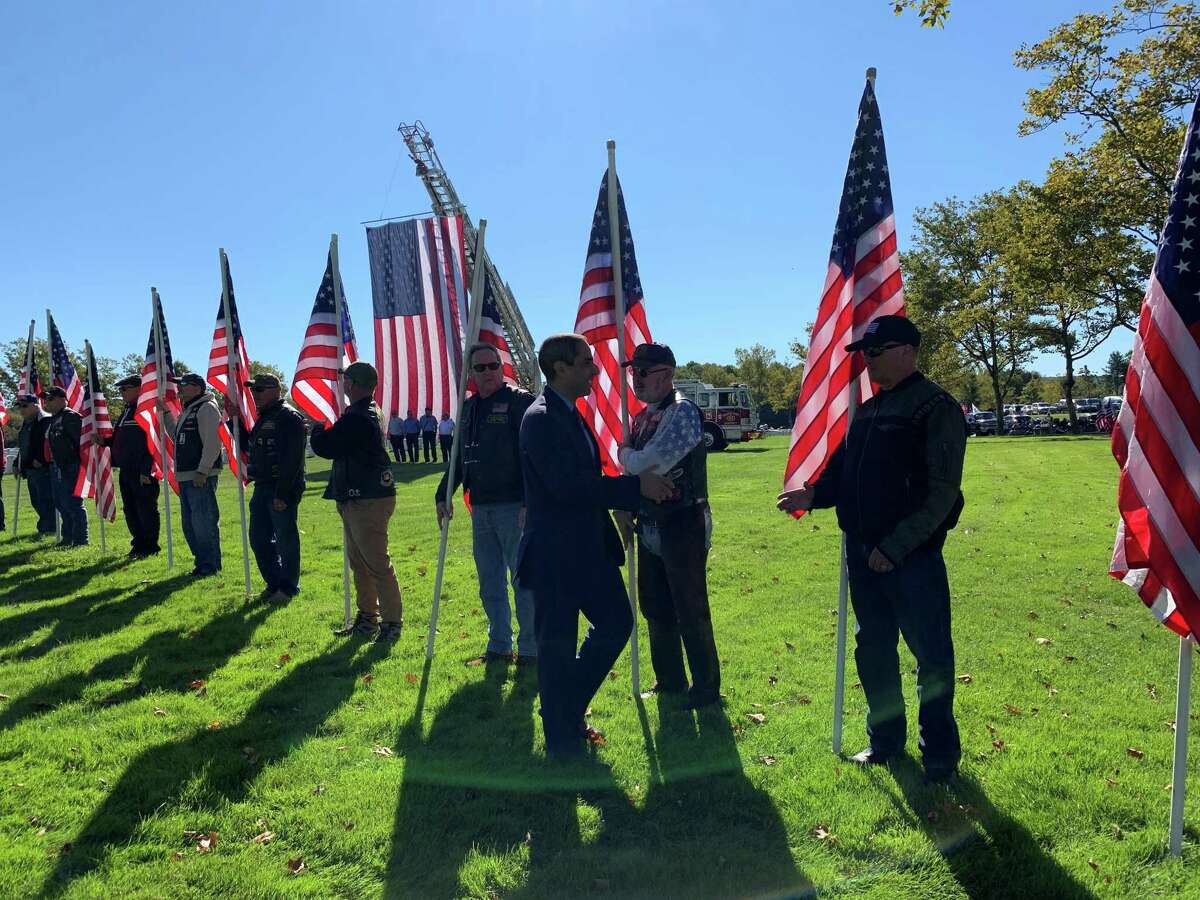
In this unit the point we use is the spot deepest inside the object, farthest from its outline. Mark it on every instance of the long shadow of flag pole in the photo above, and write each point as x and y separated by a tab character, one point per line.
473	317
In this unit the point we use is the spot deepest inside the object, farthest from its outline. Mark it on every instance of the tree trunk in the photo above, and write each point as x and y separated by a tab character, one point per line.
1069	393
999	398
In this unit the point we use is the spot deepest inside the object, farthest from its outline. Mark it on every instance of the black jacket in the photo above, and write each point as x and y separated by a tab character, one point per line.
130	450
896	479
274	450
361	467
31	444
62	433
489	460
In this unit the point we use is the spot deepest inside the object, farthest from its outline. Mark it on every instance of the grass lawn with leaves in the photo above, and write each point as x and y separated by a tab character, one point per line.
163	737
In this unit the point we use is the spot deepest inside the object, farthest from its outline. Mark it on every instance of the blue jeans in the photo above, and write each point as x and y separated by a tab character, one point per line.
201	523
41	498
70	508
275	540
495	537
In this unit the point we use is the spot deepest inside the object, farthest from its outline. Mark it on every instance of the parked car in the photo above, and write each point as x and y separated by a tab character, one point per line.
1018	424
981	423
10	458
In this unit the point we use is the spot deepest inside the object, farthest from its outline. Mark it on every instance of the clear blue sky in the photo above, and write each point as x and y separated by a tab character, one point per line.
141	137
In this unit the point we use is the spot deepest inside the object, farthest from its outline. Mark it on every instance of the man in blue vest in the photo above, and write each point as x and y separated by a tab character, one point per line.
362	486
197	465
672	554
429	424
412	435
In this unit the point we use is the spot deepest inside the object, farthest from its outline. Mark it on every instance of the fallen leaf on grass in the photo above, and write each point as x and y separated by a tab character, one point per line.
159	711
250	754
265	838
421	570
965	679
383	751
368	678
998	744
320	788
5	697
771	679
214	725
790	646
296	866
821	833
1044	642
1152	691
1032	616
1095	865
1110	782
1170	723
1135	752
206	843
804	700
476	661
990	727
612	676
285	658
176	856
411	678
348	825
756	718
1068	659
767	760
198	684
1012	710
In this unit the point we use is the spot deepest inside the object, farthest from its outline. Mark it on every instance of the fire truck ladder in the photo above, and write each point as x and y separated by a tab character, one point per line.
447	203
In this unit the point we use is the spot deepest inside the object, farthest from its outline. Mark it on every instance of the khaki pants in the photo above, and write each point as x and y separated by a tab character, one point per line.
365	527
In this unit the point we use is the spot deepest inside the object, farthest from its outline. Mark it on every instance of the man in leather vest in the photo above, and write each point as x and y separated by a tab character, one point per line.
489	466
62	436
197	465
139	488
274	455
896	485
32	462
672	554
361	483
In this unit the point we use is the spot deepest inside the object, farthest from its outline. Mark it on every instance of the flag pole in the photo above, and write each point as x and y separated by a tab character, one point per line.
94	452
839	667
28	389
230	391
614	241
160	362
50	373
1183	691
339	399
473	318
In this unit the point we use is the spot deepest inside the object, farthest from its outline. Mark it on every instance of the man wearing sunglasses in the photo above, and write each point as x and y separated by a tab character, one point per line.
489	466
274	455
672	555
895	482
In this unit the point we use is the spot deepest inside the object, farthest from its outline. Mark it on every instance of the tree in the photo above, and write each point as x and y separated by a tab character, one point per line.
1114	371
754	369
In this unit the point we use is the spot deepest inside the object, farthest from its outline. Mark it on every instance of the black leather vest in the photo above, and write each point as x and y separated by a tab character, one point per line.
64	449
188	446
129	448
690	474
269	438
367	472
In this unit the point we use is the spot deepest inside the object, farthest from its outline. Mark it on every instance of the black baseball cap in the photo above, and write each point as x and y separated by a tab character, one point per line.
131	381
190	378
887	330
56	391
25	400
651	354
262	381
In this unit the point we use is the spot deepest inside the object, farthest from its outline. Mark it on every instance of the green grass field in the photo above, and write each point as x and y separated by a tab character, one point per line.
160	738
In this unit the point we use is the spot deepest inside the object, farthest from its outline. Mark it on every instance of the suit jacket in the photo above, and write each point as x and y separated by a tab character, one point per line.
569	537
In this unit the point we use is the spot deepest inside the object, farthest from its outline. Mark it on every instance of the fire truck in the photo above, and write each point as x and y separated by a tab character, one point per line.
729	414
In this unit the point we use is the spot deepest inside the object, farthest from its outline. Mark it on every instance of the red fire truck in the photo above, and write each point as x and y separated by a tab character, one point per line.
729	413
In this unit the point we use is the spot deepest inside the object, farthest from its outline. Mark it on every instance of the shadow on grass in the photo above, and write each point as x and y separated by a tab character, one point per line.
214	766
402	473
1010	861
173	659
474	787
58	578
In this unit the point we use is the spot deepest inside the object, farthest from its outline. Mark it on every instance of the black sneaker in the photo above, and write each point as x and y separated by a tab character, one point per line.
362	627
389	633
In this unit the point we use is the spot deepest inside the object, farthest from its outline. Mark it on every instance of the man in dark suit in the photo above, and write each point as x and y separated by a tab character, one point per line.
570	554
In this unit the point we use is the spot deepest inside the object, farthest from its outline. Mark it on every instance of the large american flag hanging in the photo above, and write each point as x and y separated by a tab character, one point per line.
1157	438
147	401
597	321
95	469
862	282
219	375
492	332
62	370
418	285
29	383
314	384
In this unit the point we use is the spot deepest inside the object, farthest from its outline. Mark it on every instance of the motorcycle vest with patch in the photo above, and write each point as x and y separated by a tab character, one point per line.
366	473
189	447
63	441
690	474
276	426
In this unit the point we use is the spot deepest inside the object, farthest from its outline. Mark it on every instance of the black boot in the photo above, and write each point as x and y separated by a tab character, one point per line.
702	660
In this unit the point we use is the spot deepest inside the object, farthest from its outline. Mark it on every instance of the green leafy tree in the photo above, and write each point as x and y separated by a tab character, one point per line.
933	13
1115	368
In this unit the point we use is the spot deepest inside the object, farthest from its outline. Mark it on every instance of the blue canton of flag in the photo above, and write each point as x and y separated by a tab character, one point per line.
325	301
1178	263
867	191
396	270
62	370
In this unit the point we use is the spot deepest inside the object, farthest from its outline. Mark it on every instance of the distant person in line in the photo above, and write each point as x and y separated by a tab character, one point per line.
131	457
412	436
395	431
197	465
672	553
570	554
33	463
361	484
896	485
489	466
446	436
274	454
3	467
62	435
429	425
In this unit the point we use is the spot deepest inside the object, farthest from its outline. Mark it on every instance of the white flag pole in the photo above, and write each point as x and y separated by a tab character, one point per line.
614	241
340	401
1183	691
50	375
28	388
94	452
473	319
159	368
231	387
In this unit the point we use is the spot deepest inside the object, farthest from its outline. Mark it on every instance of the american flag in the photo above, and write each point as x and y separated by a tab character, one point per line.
95	469
492	331
30	383
597	321
62	370
147	408
218	367
862	282
315	382
3	417
1157	438
418	285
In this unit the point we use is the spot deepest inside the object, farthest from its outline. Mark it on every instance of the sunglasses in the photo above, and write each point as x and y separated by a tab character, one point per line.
486	367
874	352
644	372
